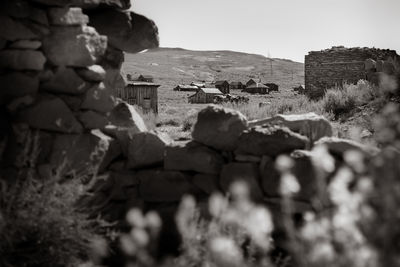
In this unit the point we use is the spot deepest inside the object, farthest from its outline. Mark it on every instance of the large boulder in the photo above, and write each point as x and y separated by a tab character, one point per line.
66	16
246	172
16	59
99	99
147	149
339	146
309	124
60	119
17	84
192	156
21	9
126	30
164	186
370	65
77	46
219	127
78	154
271	141
66	80
209	183
120	4
93	120
94	73
26	44
13	30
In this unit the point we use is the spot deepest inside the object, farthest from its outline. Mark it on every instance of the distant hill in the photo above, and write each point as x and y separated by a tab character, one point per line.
172	66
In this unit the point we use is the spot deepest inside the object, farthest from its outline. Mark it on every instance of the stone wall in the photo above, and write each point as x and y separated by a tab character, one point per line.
333	67
59	64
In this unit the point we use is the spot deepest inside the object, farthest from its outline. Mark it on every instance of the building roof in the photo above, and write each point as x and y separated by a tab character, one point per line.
198	84
185	86
257	85
221	82
139	83
211	90
146	76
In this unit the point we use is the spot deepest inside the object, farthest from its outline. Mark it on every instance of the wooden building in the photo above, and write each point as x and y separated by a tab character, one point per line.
223	86
272	86
250	82
204	95
145	78
236	85
186	88
142	94
257	88
198	84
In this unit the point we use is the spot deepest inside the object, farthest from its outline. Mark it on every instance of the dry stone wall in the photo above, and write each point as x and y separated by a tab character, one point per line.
333	67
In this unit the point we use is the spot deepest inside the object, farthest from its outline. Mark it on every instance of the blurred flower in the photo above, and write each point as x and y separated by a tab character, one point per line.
284	164
217	204
127	245
140	237
224	252
355	159
135	218
153	220
289	184
239	190
322	159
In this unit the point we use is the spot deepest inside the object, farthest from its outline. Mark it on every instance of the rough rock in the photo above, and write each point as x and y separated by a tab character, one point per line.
309	124
192	156
98	98
113	152
17	84
78	154
164	186
78	46
26	44
66	80
370	64
339	146
13	30
126	30
60	119
121	4
67	16
22	60
20	103
270	141
3	43
209	183
219	127
92	120
246	172
23	10
74	102
379	65
388	68
94	73
147	149
247	158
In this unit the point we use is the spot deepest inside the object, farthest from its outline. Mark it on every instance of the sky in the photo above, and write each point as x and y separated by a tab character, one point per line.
276	28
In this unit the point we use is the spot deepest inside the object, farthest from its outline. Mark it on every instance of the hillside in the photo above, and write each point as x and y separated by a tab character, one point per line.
171	66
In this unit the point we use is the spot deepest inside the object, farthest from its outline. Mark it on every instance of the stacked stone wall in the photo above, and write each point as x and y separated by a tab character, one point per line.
333	67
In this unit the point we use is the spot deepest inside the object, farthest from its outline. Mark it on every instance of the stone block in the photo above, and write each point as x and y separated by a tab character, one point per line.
192	156
26	44
99	99
270	141
13	30
18	84
22	60
338	146
94	73
92	120
164	186
113	152
147	149
66	80
21	9
246	172
208	183
219	127
77	46
50	113
67	16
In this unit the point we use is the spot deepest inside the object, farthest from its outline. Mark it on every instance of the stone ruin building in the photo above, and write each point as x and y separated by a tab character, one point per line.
333	67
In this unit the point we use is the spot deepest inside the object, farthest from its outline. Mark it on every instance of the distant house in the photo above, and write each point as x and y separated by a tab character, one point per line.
199	85
223	86
272	86
142	94
145	78
250	82
236	85
204	95
300	89
186	88
256	88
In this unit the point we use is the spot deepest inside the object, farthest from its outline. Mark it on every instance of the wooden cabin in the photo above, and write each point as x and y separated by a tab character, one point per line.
272	86
186	88
250	82
204	95
145	78
223	86
236	85
142	94
257	88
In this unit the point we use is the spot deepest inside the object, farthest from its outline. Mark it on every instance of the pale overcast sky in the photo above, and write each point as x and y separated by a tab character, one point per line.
282	28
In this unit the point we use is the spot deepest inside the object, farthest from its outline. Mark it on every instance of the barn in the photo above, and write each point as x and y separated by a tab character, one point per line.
186	88
204	95
142	94
250	82
272	86
223	86
145	78
256	88
236	85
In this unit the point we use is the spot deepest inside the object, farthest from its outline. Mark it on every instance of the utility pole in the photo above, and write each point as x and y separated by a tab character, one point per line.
270	63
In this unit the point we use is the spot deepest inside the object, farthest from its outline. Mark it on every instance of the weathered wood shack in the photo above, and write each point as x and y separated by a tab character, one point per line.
204	95
186	88
236	85
272	86
257	88
223	86
250	82
142	94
